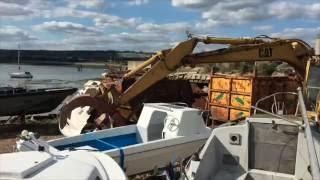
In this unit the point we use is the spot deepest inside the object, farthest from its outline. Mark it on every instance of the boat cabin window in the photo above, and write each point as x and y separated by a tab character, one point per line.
156	125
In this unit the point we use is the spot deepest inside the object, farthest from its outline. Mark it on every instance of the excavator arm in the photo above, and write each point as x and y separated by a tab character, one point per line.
165	64
294	52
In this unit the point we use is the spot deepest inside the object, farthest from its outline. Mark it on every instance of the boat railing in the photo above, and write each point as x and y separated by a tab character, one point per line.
276	105
275	115
313	87
314	163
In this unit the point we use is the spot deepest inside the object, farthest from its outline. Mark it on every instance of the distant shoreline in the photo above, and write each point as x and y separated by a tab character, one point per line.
98	65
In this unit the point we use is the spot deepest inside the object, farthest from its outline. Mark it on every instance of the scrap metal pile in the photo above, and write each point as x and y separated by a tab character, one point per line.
119	102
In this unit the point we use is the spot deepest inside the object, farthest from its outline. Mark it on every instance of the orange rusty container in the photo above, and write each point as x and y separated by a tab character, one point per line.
220	83
219	98
241	85
237	114
221	113
231	97
241	101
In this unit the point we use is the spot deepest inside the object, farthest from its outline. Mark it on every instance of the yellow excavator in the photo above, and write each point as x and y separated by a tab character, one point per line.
295	52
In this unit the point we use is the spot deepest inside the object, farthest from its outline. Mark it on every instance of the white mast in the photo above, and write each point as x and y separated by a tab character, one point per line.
317	47
19	56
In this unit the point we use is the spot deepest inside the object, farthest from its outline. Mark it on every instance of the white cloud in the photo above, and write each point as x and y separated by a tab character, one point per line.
313	10
307	34
135	33
263	28
13	10
193	3
20	10
24	9
115	21
12	33
297	32
100	20
286	10
86	3
66	27
294	10
178	27
117	41
137	2
207	24
125	37
22	2
227	12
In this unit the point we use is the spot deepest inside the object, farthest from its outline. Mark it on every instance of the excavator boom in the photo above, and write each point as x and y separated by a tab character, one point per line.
273	51
294	52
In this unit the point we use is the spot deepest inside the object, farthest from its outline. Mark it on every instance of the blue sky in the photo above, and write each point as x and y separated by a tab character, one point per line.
149	25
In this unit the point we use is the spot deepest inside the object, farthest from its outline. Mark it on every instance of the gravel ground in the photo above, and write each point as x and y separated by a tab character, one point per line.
9	132
8	145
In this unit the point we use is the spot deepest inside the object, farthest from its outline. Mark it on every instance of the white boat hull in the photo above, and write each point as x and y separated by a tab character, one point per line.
80	165
141	157
147	160
164	133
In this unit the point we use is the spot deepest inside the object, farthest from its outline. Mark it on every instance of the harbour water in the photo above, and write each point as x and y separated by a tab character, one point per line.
48	76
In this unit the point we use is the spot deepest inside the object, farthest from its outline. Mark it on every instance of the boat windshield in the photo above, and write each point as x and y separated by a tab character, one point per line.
314	85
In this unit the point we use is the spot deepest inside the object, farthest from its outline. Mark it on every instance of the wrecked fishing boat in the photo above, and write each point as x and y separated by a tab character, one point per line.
22	101
265	146
164	132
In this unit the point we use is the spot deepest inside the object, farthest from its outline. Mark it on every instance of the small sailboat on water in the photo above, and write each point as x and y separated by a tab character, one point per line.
21	74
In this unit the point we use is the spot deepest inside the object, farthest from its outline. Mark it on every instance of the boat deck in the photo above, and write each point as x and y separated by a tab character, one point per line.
104	144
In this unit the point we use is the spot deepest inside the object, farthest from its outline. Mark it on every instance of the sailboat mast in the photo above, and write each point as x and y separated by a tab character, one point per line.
19	56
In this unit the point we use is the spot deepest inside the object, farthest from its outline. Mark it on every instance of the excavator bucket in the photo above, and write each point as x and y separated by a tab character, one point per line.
92	112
